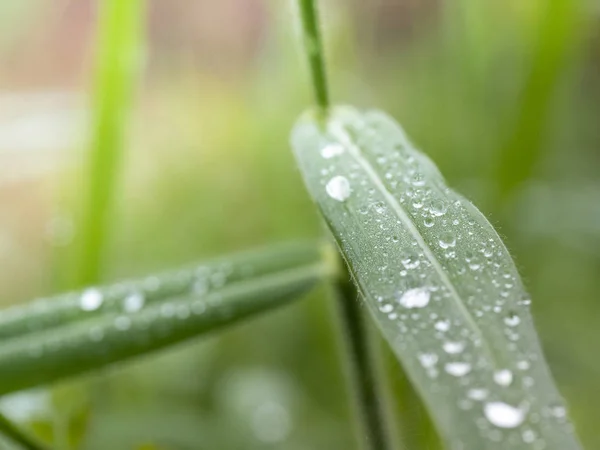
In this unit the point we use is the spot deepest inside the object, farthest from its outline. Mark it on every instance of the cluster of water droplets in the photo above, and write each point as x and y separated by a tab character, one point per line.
441	279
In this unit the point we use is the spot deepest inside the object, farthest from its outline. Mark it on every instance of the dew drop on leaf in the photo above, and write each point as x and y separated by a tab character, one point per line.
503	415
331	150
453	348
503	377
133	302
457	369
338	188
477	394
415	298
91	300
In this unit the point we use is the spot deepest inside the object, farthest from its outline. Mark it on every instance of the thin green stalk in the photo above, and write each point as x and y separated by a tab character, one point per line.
364	369
119	45
314	51
11	431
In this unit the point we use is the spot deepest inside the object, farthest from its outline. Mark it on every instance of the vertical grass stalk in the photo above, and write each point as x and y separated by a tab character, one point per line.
118	56
11	431
360	348
314	51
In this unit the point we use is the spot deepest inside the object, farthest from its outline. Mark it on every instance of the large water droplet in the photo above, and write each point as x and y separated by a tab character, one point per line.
442	325
415	298
91	300
438	208
338	188
331	150
503	415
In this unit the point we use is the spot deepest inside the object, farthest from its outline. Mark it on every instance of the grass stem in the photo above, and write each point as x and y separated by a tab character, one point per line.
314	51
119	45
10	430
364	369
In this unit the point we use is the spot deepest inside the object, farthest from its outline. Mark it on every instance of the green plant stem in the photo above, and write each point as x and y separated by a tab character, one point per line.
364	368
314	51
119	44
15	434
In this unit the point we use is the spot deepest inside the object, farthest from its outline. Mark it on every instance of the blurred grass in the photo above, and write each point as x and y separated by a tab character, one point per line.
208	170
119	56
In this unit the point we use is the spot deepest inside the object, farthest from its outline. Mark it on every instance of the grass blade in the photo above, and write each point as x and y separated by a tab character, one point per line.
128	296
438	281
89	343
119	48
8	429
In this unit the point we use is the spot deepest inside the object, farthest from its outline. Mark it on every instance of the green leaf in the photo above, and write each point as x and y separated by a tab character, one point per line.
62	339
438	281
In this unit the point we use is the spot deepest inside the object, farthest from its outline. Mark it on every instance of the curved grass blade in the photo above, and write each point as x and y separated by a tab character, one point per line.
130	296
8	429
438	281
91	343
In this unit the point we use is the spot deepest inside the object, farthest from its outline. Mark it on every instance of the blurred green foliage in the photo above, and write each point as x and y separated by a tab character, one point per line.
503	95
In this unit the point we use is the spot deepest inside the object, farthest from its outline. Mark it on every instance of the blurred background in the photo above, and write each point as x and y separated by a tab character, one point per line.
503	94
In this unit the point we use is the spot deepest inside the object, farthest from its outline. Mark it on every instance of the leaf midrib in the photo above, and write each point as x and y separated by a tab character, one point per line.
344	137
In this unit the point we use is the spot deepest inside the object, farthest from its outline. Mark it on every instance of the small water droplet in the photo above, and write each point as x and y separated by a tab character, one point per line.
428	360
477	394
453	348
133	302
503	415
503	377
523	365
442	325
437	208
386	308
447	240
457	369
428	222
338	188
91	299
331	150
415	298
411	261
512	320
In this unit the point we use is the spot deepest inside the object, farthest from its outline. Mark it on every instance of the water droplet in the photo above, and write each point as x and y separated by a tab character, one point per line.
331	150
453	348
447	240
91	299
428	360
523	365
379	207
386	308
411	261
415	298
477	394
133	302
442	325
503	377
418	180
457	369
512	320
503	415
338	188
437	208
528	436
428	222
